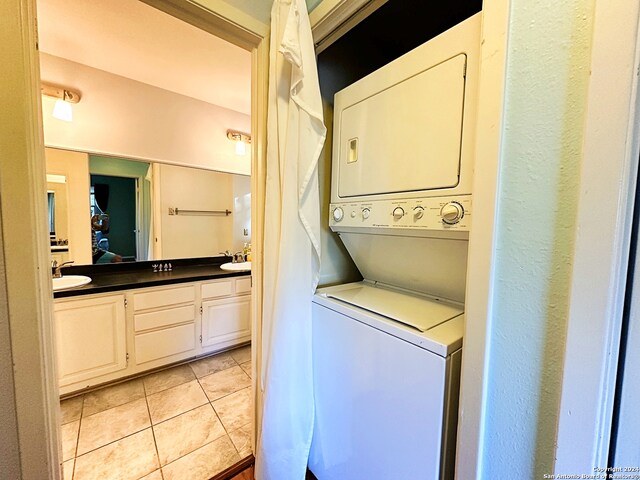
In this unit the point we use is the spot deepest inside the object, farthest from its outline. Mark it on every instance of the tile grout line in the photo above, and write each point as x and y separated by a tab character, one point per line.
75	456
153	432
232	442
196	377
227	394
225	428
117	439
176	416
202	446
214	409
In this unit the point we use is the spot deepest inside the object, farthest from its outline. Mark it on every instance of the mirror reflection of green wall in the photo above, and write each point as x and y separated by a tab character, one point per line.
128	204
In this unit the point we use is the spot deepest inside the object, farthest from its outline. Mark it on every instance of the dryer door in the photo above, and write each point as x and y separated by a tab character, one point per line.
406	136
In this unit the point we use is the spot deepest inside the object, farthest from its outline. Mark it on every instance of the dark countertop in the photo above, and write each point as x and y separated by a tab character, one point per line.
126	276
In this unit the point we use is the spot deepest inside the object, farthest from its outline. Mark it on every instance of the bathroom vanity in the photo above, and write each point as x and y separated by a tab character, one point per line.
129	321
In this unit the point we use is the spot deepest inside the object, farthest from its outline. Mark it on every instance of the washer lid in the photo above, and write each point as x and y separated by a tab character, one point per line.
417	312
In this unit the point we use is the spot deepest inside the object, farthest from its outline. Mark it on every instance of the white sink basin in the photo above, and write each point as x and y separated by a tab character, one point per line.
236	267
70	281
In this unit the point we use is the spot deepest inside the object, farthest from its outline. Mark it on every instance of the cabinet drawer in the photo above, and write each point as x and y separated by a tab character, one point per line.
217	289
164	318
163	343
164	297
243	285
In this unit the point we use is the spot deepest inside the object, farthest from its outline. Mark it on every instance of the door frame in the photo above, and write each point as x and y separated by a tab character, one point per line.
601	255
29	299
139	209
140	217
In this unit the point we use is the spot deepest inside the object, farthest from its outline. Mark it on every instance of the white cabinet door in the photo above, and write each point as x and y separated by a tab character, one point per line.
226	320
91	336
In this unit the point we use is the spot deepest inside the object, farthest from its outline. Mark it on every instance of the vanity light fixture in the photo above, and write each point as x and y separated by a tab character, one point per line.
241	140
65	97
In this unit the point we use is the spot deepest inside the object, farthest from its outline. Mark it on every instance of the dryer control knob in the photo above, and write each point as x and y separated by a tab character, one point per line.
418	212
365	213
338	214
398	213
452	213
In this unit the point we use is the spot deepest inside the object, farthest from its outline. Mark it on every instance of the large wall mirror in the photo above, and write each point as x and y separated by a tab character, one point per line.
107	209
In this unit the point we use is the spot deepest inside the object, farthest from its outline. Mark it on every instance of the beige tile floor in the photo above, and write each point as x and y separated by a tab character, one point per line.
188	422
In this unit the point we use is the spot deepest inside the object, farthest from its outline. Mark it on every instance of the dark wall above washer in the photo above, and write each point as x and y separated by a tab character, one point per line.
391	31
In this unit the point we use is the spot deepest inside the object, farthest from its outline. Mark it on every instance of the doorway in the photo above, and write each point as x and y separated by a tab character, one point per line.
31	404
114	200
174	131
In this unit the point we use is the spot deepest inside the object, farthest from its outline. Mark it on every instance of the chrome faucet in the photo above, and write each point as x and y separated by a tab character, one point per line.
238	257
57	269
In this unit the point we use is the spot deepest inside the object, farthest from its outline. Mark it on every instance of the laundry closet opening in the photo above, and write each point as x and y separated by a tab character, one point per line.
400	92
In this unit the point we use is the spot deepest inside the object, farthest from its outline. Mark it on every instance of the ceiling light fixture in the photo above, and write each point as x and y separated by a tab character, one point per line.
241	140
65	97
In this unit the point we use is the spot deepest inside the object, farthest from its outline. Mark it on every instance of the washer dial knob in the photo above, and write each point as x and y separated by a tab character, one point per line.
365	213
452	213
338	214
398	213
418	212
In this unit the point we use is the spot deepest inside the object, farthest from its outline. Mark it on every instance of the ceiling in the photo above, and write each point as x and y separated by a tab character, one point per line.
133	40
261	9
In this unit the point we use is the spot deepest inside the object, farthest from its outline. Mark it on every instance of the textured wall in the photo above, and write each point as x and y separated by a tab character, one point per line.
547	78
9	452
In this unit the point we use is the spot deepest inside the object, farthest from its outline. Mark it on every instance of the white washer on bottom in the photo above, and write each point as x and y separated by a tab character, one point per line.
386	393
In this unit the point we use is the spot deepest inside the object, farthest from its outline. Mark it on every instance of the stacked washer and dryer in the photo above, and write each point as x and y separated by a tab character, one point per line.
387	350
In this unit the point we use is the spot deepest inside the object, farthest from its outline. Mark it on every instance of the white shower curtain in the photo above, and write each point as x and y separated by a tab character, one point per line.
295	137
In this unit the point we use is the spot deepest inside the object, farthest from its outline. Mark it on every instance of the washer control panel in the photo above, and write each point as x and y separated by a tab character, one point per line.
434	213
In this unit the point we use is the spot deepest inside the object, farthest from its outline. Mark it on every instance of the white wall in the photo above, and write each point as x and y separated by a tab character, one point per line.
124	118
183	236
75	167
547	78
